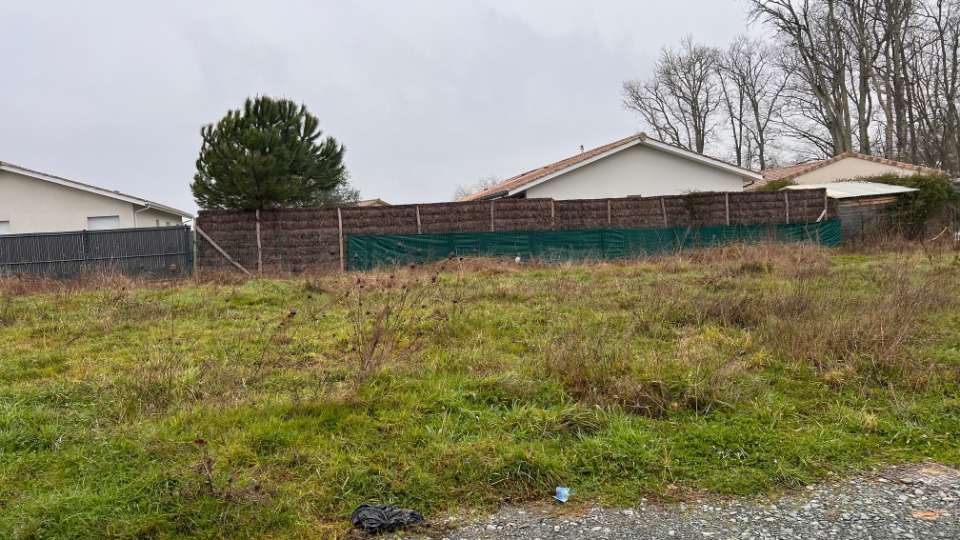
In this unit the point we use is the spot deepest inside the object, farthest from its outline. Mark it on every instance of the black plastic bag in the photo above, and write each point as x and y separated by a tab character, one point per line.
384	518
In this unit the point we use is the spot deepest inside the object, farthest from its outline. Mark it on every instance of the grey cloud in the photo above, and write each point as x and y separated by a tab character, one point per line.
425	94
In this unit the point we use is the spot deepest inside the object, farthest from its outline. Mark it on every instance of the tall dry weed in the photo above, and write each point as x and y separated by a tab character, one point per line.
389	314
847	326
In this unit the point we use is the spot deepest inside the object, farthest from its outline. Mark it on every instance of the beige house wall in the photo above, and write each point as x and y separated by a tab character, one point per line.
32	205
149	218
638	170
849	168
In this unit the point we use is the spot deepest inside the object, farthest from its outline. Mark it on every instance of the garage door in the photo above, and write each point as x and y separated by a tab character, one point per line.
99	223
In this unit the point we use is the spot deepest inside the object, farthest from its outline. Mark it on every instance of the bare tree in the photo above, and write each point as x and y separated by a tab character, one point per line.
894	32
861	27
680	102
812	34
753	87
936	68
463	190
878	76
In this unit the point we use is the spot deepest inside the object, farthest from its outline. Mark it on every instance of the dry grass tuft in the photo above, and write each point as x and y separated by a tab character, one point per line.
839	328
782	260
594	367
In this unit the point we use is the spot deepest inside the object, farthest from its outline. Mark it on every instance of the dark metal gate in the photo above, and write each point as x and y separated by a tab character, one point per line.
160	251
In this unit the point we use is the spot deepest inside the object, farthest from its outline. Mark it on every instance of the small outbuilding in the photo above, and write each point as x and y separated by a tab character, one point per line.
860	205
635	166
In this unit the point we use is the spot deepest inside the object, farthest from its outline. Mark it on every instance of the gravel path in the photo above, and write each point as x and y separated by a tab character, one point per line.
909	502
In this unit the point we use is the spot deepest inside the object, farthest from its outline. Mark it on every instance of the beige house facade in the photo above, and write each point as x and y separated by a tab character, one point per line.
635	166
847	166
36	202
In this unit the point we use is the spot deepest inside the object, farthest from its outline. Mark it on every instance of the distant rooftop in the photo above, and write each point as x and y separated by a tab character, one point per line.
511	185
793	171
373	202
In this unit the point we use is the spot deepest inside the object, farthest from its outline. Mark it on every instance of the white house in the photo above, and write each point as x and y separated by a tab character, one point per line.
32	202
846	166
636	165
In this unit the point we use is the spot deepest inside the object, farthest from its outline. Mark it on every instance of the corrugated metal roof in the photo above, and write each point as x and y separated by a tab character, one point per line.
849	190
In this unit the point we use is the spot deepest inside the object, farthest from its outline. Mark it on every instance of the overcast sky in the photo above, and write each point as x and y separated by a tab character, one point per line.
424	94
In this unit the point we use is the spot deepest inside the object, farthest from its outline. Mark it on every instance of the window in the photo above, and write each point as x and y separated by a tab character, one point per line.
99	223
158	223
168	224
4	227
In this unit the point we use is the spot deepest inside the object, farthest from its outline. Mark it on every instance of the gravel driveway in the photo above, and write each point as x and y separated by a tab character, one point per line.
910	502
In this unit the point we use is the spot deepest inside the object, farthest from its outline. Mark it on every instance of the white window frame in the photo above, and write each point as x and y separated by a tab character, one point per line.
91	224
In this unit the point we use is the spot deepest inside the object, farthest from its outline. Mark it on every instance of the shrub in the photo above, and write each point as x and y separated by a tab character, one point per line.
775	185
913	210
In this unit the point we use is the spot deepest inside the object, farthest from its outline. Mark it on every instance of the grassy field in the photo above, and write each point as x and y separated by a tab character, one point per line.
271	408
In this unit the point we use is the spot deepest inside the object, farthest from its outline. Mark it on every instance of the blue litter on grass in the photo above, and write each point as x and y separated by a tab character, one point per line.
563	494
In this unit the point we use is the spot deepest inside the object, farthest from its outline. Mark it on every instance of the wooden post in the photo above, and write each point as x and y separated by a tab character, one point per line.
553	215
259	246
826	204
419	228
728	209
491	216
220	249
663	206
609	214
343	259
786	202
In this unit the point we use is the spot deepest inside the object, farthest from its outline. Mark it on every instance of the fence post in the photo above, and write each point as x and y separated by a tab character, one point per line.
343	260
553	216
419	228
728	209
259	246
85	241
609	214
786	202
191	251
223	252
663	206
491	217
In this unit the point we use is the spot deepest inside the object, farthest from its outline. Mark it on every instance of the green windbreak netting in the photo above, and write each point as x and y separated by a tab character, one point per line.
365	252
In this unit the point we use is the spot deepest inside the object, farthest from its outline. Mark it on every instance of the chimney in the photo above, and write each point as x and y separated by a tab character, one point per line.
581	148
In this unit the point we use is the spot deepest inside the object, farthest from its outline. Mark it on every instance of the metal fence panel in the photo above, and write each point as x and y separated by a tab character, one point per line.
154	251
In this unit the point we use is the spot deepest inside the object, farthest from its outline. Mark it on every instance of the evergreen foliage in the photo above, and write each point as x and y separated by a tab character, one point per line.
935	193
269	154
775	185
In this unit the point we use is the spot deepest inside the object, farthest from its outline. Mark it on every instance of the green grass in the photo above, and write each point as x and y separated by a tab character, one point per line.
272	408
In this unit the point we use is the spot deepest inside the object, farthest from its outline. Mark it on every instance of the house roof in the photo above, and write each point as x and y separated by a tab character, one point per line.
854	189
526	180
4	166
793	171
373	202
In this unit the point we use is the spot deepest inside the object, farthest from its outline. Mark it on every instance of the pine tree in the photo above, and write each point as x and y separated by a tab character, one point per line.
268	155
